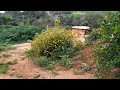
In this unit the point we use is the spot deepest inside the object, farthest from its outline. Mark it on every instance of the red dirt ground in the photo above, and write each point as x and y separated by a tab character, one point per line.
26	69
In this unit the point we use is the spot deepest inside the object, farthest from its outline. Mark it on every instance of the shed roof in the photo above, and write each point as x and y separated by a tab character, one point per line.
81	27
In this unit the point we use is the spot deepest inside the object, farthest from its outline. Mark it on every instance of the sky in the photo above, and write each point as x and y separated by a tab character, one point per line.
2	11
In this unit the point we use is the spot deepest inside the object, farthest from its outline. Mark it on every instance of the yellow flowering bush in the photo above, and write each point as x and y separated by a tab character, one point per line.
51	40
54	45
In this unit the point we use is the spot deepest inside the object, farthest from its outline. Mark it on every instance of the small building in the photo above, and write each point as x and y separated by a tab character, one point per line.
80	32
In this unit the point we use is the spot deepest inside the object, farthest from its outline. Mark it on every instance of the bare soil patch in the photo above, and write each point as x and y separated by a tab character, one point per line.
26	69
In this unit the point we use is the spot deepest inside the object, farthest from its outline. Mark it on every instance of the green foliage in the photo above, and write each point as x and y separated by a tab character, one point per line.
108	50
43	22
43	18
6	20
51	66
77	18
91	20
4	47
44	61
3	68
29	54
66	61
18	33
5	26
94	35
77	14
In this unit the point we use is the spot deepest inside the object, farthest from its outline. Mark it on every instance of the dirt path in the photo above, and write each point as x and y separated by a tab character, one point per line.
25	69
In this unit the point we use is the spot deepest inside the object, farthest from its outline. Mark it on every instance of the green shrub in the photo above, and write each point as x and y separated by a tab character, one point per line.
18	33
5	26
94	35
43	61
66	61
108	50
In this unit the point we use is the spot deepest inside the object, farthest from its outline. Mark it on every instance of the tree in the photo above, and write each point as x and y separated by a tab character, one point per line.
108	49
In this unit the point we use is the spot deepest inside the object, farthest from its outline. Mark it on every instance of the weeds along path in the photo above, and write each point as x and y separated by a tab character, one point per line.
25	69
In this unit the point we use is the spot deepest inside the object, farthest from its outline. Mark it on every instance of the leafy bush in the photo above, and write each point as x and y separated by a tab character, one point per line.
66	61
44	61
77	14
91	20
94	35
18	33
108	50
52	45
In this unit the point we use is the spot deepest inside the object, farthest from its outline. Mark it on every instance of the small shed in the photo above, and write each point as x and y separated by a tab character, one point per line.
80	32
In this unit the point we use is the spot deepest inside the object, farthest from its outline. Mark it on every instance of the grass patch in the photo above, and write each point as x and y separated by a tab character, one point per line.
50	66
45	62
29	54
5	66
12	62
67	62
5	47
